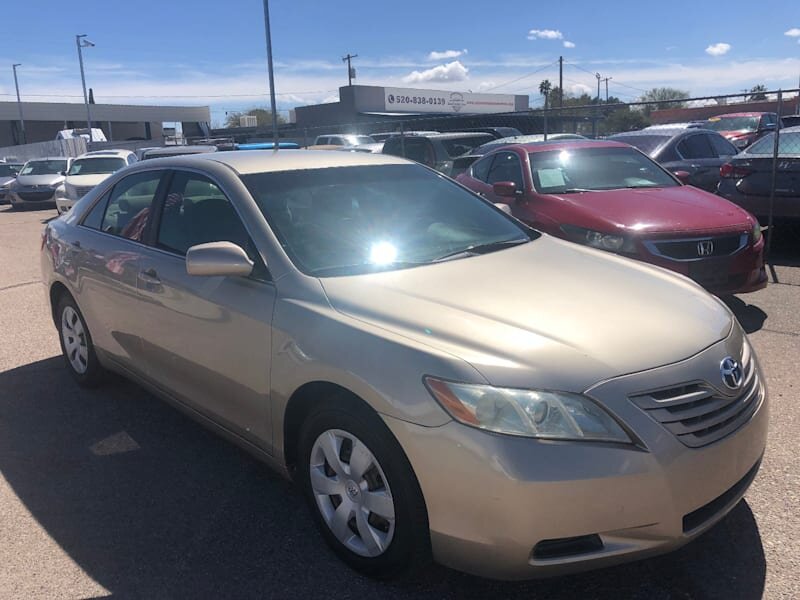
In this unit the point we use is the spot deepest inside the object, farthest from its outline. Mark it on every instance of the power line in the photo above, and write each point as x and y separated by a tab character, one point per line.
176	95
494	87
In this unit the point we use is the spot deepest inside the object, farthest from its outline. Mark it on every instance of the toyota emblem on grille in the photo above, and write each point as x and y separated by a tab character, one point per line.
731	372
705	248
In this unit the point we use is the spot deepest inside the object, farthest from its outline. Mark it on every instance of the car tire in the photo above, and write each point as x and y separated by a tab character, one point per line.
76	344
380	529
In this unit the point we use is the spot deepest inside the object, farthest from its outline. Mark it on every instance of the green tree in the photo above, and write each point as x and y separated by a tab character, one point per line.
665	95
263	117
623	119
757	93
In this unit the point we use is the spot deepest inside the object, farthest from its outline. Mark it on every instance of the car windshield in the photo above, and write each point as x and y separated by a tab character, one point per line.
646	143
355	140
96	165
44	167
789	143
732	123
364	219
460	146
8	170
590	169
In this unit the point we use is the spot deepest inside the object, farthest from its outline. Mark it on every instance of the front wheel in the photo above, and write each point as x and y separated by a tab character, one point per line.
76	344
363	493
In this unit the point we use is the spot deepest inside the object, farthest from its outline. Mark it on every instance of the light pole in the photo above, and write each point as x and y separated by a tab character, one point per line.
19	104
80	42
271	76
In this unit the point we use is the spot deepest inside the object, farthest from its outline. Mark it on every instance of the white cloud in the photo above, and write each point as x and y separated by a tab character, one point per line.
718	49
568	44
579	88
545	34
445	54
453	71
793	32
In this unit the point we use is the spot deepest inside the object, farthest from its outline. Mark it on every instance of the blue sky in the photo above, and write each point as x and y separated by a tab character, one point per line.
210	52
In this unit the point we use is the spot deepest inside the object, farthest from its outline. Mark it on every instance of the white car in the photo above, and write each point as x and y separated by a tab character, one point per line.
87	171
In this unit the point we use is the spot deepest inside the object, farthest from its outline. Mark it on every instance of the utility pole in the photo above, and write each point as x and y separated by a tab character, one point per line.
351	74
273	108
560	82
84	43
19	105
599	79
606	80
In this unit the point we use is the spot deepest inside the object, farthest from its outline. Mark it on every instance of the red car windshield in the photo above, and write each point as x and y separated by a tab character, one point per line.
595	169
732	123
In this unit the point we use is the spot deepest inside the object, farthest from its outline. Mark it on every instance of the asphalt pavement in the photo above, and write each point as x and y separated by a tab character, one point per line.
113	493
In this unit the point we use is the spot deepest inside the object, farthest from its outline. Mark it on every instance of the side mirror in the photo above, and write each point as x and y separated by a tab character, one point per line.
505	189
62	173
218	259
683	176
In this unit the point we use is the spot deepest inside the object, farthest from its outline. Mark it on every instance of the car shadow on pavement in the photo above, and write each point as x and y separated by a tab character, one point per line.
750	316
150	504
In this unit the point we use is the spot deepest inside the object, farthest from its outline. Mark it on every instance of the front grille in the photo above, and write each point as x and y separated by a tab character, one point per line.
82	191
697	414
688	249
36	196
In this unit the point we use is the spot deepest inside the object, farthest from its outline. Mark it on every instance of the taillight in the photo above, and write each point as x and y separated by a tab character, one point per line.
729	171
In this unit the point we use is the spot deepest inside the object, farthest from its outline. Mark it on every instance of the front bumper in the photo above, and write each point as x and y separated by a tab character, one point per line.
492	499
64	204
44	198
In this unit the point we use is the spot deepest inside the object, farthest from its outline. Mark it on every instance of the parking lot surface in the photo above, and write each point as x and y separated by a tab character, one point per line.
113	493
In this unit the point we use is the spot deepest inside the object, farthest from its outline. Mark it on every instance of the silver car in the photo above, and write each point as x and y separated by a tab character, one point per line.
441	381
37	182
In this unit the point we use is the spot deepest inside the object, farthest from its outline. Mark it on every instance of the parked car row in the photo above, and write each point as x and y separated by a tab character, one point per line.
442	381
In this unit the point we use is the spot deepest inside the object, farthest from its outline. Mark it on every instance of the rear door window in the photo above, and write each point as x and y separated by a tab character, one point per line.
722	147
696	146
128	213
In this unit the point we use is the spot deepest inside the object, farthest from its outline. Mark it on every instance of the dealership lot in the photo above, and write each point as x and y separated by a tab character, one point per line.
112	492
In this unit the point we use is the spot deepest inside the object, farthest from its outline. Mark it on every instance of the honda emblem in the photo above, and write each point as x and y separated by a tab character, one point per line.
705	248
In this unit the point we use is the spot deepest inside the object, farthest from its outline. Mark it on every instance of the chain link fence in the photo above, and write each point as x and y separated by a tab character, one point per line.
746	148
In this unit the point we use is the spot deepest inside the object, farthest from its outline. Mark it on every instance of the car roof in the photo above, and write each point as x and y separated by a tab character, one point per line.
571	145
106	153
792	129
269	161
49	158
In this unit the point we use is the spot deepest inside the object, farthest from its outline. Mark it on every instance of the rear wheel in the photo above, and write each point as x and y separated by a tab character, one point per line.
76	343
363	492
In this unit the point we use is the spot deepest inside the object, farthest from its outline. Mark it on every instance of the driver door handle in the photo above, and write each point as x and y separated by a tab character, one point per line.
149	276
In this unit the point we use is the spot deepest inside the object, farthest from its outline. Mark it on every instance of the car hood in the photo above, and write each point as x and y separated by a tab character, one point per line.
737	133
548	314
86	180
39	179
674	209
5	180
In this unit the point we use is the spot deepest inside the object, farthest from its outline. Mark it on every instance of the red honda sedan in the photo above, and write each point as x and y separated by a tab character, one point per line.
611	196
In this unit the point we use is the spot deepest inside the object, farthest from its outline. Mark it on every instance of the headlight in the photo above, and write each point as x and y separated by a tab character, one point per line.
528	413
741	143
598	239
756	232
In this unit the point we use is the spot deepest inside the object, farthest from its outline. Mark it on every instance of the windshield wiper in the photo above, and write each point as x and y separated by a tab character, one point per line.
575	190
482	249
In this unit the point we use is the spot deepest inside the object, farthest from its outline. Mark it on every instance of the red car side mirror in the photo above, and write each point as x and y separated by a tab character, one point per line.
505	189
683	176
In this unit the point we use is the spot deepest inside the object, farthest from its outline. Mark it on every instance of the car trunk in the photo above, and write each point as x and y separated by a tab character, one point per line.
759	181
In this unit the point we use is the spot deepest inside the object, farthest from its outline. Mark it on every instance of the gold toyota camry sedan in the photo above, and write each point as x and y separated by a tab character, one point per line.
443	382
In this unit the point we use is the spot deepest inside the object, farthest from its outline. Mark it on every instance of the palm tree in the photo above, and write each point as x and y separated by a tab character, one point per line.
544	89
